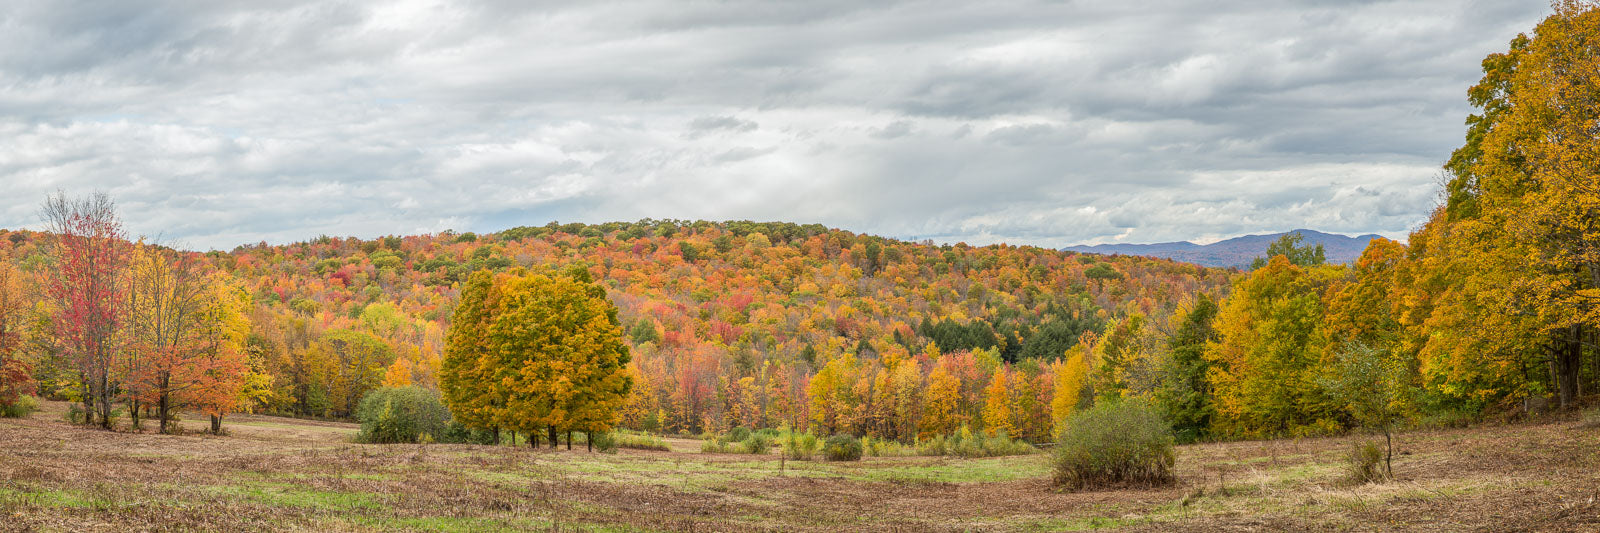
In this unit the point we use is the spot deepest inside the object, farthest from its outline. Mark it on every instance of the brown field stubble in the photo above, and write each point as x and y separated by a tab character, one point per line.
273	474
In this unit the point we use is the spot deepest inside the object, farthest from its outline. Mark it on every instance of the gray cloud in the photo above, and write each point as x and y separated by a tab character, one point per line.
1046	123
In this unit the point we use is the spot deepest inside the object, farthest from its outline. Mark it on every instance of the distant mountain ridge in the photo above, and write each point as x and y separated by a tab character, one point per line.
1238	251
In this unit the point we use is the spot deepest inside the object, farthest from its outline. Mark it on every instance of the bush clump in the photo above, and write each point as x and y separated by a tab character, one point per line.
640	441
1366	463
401	415
885	448
757	444
799	446
965	443
714	444
603	442
842	448
23	406
1115	443
455	433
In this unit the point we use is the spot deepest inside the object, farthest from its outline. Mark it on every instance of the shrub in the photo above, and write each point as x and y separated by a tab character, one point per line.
1000	445
965	443
886	448
1115	443
713	444
757	444
23	406
1366	463
401	415
75	414
115	417
638	441
1590	418
800	446
603	441
842	448
738	434
455	433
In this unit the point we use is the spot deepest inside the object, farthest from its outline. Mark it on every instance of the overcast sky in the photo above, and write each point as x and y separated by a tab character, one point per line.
1049	123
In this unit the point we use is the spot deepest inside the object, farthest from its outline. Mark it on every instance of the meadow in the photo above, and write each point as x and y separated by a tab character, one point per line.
284	474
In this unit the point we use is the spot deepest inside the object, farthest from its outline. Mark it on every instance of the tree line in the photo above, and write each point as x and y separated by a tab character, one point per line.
142	329
1488	308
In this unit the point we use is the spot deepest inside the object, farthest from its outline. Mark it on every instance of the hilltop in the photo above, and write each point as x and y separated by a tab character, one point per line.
713	311
1236	252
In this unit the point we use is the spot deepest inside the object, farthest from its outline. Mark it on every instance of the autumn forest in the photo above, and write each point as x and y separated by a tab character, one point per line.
738	336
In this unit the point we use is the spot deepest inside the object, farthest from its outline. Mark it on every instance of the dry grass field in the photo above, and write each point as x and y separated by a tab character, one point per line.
275	474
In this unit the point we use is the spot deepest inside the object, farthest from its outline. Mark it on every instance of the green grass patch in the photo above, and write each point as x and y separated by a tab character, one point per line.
61	499
954	471
291	495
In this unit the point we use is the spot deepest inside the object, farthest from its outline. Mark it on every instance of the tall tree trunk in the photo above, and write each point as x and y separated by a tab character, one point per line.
88	403
554	440
105	402
164	412
1388	458
569	439
216	424
497	435
1567	365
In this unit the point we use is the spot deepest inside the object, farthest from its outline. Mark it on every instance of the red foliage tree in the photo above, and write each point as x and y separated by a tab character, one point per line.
91	251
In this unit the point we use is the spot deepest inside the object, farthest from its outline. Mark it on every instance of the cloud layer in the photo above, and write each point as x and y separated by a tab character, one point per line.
1049	123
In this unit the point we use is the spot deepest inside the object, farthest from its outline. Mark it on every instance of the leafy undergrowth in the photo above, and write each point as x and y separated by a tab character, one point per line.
282	474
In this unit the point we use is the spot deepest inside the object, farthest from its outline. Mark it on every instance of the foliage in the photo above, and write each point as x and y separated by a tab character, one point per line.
713	444
1185	393
604	441
872	447
1265	368
638	441
1365	463
457	433
799	446
16	375
1373	386
1288	246
965	443
402	415
997	414
20	407
756	444
842	448
1071	377
770	301
530	352
1115	443
90	259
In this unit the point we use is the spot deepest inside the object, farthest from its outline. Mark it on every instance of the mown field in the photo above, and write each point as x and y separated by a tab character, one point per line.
284	474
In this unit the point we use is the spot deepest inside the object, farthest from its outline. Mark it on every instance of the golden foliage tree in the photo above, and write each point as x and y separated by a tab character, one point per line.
536	353
997	415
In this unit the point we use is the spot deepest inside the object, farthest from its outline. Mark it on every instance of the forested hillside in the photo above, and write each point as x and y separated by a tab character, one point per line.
729	323
1493	306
